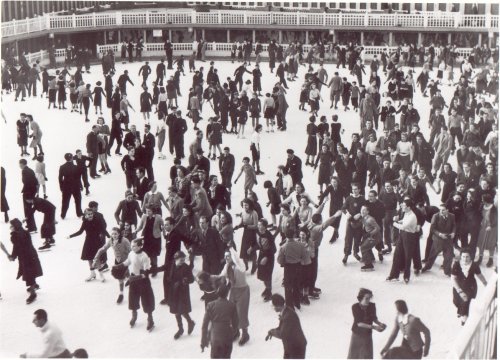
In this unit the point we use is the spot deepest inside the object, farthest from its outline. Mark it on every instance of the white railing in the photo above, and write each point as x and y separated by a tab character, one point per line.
238	17
477	339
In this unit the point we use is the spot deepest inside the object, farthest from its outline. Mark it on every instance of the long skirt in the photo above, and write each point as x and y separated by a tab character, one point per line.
248	240
361	347
241	297
312	145
487	240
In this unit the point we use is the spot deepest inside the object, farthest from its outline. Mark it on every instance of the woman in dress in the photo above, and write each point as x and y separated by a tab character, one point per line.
249	221
463	274
365	320
250	176
4	205
22	134
162	101
86	97
128	165
61	92
488	233
94	240
98	93
146	101
103	129
267	248
180	276
226	230
121	249
314	98
25	253
214	137
312	141
151	226
255	109
447	177
161	131
303	214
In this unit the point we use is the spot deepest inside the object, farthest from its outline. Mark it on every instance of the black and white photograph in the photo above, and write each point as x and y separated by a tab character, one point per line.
256	180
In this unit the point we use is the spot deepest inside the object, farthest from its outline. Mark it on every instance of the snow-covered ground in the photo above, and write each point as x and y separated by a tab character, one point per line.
87	312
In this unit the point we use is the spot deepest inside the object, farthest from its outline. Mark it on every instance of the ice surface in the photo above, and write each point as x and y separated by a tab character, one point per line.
87	312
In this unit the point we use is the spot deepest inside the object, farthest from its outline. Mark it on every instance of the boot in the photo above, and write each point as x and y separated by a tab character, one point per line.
46	246
32	296
490	262
151	324
179	333
6	217
134	318
120	299
191	325
244	337
305	300
344	260
267	296
236	335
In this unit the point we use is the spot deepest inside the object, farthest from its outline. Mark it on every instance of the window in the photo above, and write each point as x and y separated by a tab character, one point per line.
286	5
395	6
260	4
333	5
373	6
352	5
314	5
277	4
430	7
342	5
305	5
362	6
418	6
442	6
295	5
322	5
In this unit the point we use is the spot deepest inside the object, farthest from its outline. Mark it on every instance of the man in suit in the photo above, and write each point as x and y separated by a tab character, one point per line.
468	177
142	183
223	317
129	139
212	247
178	130
149	144
289	330
336	89
411	326
29	191
443	230
293	167
69	183
92	151
226	168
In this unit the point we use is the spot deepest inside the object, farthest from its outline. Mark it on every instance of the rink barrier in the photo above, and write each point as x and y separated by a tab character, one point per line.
213	50
161	17
477	338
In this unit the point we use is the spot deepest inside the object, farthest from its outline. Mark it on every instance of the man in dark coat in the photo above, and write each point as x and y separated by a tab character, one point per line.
179	129
108	88
160	73
171	118
173	239
149	145
81	163
116	134
289	330
92	151
226	168
69	183
30	186
169	51
142	183
223	317
293	167
129	139
49	220
212	247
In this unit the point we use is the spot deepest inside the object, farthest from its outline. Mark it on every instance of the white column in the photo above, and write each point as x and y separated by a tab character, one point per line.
362	38
228	35
390	38
419	41
203	34
170	35
280	37
449	38
105	37
253	36
479	39
307	37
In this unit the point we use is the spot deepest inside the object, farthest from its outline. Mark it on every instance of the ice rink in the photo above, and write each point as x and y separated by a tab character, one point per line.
87	313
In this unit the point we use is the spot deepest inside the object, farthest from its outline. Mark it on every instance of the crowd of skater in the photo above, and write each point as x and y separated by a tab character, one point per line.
378	180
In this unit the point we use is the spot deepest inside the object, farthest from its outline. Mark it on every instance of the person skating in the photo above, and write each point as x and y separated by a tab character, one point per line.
121	249
151	226
222	317
30	187
289	330
48	228
139	264
29	264
4	205
69	183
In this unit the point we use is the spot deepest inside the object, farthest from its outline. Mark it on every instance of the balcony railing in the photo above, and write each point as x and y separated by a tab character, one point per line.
238	17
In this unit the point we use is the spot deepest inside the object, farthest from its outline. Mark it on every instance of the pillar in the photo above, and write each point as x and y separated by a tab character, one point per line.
449	38
194	34
280	37
119	37
480	39
170	35
307	37
105	37
362	38
203	34
491	36
228	35
253	36
419	41
144	35
390	38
